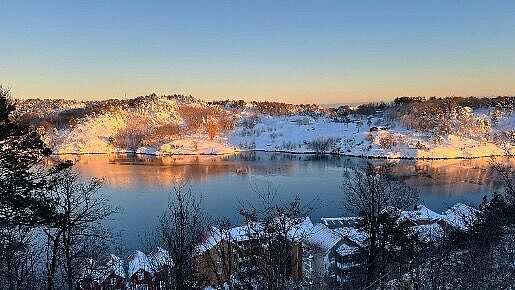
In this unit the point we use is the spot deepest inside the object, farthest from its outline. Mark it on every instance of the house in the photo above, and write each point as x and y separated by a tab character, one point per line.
421	215
112	275
348	255
319	249
460	216
162	267
432	227
215	257
140	271
241	249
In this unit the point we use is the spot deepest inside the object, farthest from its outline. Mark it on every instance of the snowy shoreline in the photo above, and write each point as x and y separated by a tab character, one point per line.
284	152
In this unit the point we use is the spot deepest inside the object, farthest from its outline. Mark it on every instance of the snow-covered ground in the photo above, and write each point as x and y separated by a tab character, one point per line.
367	136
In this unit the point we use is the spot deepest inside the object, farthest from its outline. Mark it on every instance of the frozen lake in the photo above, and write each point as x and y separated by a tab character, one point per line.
139	185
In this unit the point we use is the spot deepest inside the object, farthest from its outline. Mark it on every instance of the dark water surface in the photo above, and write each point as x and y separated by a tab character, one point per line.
139	185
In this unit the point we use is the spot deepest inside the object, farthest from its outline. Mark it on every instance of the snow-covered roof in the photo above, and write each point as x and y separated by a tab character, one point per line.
337	222
460	216
301	229
246	232
421	213
115	265
323	237
428	233
355	235
158	258
138	260
212	237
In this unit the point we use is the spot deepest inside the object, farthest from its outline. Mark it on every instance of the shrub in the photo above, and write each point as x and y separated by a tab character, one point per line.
369	137
212	129
323	144
164	134
387	140
132	135
249	122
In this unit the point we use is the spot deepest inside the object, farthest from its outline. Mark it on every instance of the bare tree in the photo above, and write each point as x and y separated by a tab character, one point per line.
182	229
271	253
78	225
373	194
218	251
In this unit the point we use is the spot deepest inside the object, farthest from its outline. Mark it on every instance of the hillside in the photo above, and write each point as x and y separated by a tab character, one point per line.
406	128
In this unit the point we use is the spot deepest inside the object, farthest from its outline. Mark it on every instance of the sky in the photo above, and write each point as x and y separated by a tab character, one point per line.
295	51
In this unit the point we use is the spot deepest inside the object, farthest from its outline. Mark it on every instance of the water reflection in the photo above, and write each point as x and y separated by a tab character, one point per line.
140	184
125	171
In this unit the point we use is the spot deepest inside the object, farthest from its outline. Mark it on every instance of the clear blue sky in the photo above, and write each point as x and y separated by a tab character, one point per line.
296	51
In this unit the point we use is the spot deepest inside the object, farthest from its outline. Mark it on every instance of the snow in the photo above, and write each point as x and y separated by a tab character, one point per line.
300	230
346	250
115	265
428	233
323	238
213	238
159	258
337	222
362	136
138	260
420	214
357	236
460	216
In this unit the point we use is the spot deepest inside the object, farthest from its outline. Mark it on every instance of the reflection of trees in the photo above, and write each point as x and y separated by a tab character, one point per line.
125	171
454	175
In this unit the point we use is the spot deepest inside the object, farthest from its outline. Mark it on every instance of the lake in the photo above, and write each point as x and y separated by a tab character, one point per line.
140	185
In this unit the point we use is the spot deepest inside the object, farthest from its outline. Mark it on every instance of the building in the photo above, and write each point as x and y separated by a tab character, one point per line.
162	269
112	277
241	250
140	271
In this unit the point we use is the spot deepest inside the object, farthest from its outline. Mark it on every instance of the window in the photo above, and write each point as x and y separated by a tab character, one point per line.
113	281
141	275
162	285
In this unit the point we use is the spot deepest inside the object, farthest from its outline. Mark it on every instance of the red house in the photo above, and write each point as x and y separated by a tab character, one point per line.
113	277
140	272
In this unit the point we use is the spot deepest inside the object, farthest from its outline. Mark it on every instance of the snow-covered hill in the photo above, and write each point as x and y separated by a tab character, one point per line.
175	125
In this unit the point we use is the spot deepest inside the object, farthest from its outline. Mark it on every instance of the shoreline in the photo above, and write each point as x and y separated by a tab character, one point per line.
288	152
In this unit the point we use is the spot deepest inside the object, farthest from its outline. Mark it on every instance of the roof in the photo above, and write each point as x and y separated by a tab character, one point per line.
138	260
323	237
357	236
338	222
301	229
246	232
158	258
212	237
114	265
421	213
460	216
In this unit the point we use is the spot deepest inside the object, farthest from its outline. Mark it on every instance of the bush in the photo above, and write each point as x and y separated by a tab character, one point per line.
212	129
249	122
164	134
132	135
323	144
